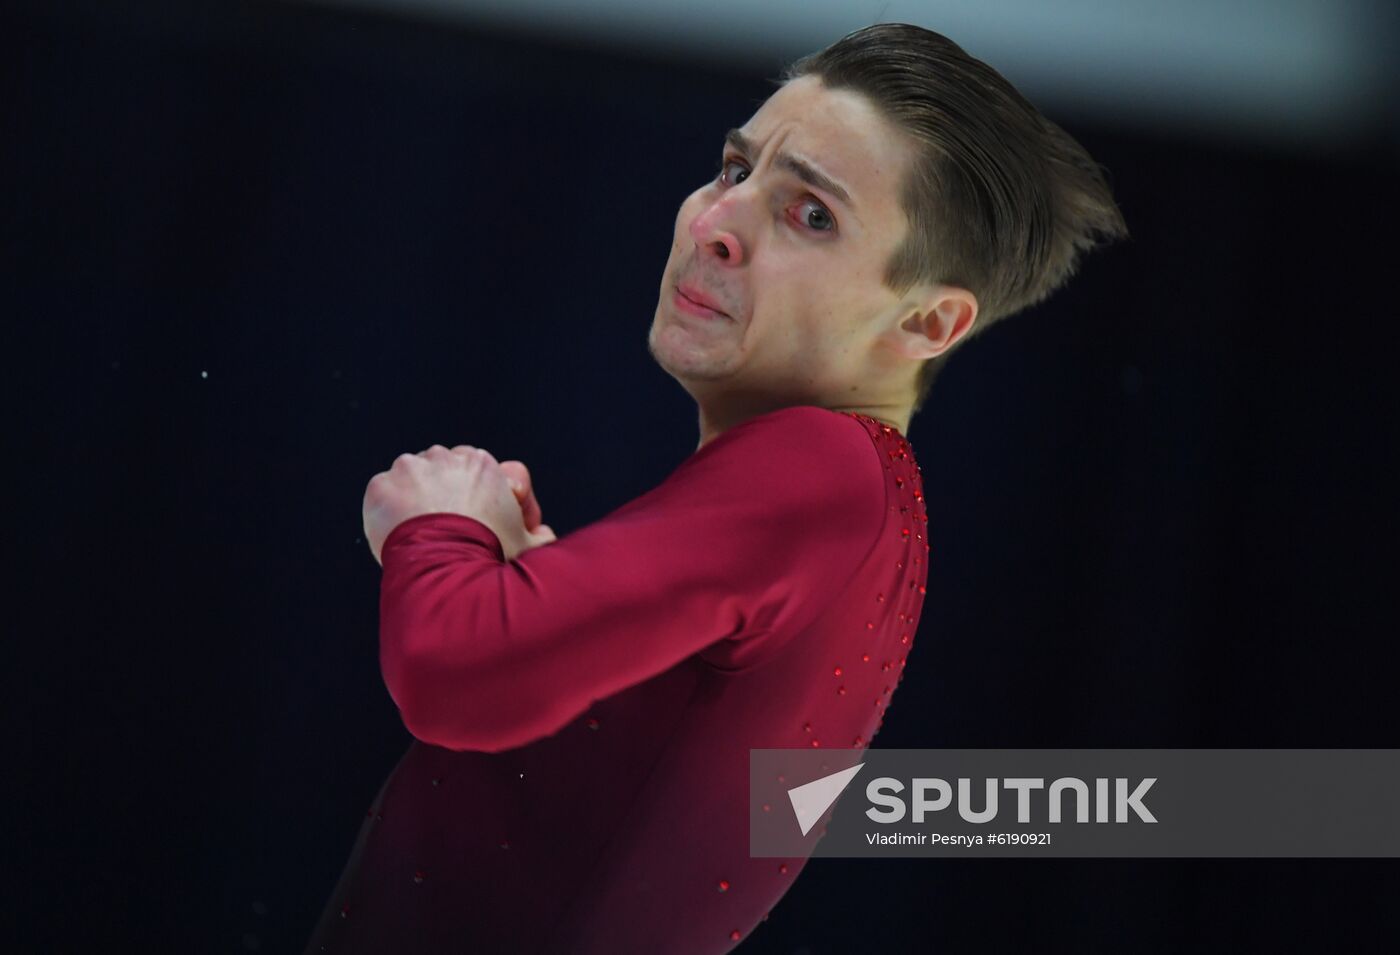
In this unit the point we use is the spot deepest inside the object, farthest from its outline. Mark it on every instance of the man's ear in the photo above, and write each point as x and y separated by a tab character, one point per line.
940	317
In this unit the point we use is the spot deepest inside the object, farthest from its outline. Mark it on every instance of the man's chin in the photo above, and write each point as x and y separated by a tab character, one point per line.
685	365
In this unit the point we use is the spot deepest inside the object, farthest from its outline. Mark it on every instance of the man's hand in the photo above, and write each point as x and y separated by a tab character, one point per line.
464	480
520	483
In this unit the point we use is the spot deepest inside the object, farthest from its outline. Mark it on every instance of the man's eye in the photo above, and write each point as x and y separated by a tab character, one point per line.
823	222
724	167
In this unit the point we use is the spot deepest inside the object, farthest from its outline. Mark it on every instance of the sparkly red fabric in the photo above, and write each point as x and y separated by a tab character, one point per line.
583	715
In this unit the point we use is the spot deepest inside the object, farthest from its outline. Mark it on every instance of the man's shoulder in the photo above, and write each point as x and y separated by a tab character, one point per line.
806	446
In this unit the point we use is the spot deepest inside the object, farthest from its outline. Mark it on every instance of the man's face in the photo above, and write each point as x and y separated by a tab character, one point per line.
795	267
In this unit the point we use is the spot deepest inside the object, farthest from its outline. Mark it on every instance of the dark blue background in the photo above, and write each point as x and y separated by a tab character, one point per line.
1162	506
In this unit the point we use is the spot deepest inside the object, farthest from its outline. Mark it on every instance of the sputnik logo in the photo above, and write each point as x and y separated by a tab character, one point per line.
812	799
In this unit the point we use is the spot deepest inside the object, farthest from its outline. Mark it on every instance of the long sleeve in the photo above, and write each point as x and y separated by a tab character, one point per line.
744	545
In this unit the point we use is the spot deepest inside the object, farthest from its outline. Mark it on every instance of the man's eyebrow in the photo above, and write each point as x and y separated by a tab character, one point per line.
802	170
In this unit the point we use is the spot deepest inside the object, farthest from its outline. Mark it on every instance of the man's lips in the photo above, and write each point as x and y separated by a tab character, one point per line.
696	297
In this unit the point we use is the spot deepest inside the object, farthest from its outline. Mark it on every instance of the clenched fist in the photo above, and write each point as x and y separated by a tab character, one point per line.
464	480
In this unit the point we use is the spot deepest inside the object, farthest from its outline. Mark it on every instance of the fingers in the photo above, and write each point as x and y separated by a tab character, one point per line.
515	471
524	492
468	450
519	474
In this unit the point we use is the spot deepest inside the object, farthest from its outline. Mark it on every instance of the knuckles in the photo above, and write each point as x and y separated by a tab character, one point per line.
407	461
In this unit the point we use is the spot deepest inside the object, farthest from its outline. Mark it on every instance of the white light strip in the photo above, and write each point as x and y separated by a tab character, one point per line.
1306	72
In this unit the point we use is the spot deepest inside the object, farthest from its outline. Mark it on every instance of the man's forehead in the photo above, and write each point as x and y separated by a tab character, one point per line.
836	133
812	110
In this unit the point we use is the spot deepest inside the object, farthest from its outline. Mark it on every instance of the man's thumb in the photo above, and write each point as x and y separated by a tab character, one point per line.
545	533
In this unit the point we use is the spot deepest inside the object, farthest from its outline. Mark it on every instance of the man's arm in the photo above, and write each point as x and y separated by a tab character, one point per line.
755	533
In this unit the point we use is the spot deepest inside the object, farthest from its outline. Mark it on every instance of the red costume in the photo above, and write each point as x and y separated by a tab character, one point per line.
584	713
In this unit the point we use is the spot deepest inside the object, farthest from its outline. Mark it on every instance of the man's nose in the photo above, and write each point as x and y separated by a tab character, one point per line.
714	231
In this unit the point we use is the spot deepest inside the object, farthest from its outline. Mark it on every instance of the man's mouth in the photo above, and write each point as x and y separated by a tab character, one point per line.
695	302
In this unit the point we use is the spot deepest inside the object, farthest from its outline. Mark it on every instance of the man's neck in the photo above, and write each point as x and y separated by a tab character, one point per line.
716	421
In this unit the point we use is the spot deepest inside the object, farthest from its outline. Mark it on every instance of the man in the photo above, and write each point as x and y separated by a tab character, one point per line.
583	708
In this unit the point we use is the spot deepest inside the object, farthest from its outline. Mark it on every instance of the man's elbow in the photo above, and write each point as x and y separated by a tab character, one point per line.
478	721
459	737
